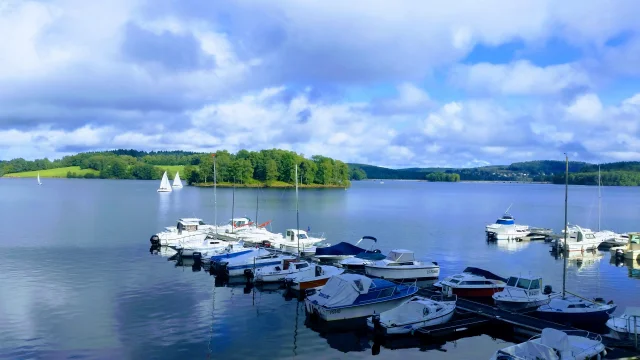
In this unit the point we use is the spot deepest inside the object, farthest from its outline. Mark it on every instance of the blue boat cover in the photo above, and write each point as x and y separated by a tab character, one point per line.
371	256
343	248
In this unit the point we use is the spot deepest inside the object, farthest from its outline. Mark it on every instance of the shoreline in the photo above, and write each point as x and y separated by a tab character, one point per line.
272	186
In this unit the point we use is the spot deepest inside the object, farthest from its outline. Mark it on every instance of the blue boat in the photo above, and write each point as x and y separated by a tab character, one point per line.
575	311
342	250
349	296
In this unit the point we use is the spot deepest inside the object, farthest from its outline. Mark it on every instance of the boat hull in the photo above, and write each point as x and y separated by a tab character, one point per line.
471	292
352	312
409	327
305	285
279	276
520	305
577	319
402	273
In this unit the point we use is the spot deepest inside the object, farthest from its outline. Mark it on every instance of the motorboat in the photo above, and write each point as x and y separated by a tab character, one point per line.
577	311
359	261
349	296
220	261
295	241
237	266
505	228
472	283
523	292
626	326
304	281
581	239
277	273
186	230
342	250
234	226
209	246
415	313
401	264
633	249
554	344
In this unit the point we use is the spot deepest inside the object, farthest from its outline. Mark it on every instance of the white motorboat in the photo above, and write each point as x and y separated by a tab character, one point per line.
349	296
505	228
209	246
165	186
237	266
523	292
472	283
304	281
400	264
187	230
414	314
177	183
626	326
632	251
554	344
289	243
581	239
359	261
277	273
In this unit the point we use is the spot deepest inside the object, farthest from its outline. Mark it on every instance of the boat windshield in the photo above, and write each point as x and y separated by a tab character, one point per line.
302	236
535	284
524	283
512	281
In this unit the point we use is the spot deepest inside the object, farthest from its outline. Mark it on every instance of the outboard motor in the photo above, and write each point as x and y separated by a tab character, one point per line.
318	270
155	240
248	274
197	258
548	289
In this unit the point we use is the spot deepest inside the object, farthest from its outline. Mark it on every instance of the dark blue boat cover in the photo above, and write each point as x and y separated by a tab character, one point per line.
371	256
343	248
484	273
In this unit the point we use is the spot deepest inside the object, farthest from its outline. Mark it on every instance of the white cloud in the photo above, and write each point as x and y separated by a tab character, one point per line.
586	107
519	78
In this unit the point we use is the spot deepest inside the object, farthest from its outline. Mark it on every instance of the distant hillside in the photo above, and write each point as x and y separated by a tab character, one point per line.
619	173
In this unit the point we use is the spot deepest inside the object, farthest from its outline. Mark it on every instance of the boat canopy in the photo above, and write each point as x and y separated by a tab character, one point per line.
371	256
401	255
555	339
343	290
343	248
484	273
506	220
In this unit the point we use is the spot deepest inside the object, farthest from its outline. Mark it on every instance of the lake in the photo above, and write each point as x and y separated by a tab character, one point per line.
78	279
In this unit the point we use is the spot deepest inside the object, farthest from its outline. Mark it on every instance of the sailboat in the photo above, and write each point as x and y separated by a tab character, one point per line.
573	309
176	181
39	183
165	186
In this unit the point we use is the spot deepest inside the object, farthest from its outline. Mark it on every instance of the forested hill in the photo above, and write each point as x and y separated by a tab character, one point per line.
266	167
581	173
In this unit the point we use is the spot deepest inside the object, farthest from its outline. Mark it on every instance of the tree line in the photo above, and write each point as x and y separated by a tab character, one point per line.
247	167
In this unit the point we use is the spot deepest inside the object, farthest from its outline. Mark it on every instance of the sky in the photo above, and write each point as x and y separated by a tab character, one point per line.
391	83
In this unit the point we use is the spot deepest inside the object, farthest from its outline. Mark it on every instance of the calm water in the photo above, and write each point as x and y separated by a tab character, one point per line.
78	279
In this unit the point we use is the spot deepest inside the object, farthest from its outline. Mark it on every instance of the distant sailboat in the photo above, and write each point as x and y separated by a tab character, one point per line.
39	183
176	181
165	186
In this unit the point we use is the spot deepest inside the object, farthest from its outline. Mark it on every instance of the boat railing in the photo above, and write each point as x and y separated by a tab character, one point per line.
444	298
581	333
318	235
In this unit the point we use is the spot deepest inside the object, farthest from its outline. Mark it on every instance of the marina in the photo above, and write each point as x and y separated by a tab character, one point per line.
207	306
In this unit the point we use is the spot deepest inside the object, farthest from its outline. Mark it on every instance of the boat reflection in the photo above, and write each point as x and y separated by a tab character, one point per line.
632	265
584	260
510	246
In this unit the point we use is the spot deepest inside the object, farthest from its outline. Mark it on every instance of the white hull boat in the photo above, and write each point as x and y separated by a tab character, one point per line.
165	186
207	248
556	345
581	239
626	326
304	281
505	228
414	314
191	230
400	264
277	273
237	266
524	292
349	296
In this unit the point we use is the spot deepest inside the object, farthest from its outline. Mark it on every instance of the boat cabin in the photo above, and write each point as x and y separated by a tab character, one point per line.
399	257
506	220
189	224
291	234
292	264
239	222
529	284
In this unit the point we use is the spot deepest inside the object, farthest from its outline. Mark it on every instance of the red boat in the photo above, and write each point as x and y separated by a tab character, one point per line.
472	283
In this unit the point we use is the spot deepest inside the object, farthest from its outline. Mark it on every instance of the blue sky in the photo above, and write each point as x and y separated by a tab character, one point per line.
399	84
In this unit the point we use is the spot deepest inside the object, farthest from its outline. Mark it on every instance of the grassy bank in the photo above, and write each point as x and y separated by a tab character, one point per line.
53	173
270	184
172	170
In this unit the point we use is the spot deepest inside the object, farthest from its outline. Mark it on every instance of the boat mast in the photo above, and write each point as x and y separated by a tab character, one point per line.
215	195
566	197
257	202
233	205
599	198
297	213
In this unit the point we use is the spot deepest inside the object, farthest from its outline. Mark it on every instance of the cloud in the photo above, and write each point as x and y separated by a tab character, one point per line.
520	78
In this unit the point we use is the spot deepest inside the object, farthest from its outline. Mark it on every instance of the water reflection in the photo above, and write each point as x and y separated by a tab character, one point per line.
164	202
584	261
632	265
510	246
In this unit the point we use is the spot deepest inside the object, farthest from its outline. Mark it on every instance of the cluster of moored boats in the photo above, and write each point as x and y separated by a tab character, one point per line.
347	281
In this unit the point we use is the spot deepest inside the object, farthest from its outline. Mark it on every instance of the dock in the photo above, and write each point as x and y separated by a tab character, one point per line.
474	314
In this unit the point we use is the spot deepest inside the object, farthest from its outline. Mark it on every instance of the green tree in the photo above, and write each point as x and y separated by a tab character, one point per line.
271	170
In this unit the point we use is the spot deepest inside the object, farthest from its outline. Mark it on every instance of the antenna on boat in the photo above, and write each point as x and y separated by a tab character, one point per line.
599	198
566	197
233	205
509	208
297	213
215	195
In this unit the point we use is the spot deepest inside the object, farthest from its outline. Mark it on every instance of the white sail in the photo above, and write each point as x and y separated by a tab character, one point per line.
165	186
176	181
39	183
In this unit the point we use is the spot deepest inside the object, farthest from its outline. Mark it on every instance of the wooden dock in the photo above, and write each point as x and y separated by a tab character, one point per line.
476	314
